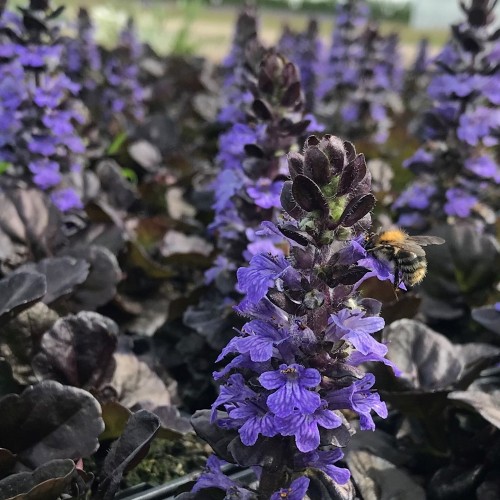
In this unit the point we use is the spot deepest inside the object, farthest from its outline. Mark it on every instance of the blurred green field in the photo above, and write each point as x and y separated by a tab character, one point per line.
189	26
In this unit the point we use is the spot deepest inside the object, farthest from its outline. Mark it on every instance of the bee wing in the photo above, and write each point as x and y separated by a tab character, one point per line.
427	240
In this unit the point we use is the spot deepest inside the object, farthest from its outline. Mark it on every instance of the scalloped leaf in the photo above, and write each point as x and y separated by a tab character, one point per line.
18	291
58	422
78	351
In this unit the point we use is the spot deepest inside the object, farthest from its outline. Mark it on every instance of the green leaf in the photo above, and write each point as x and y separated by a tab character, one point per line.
129	174
4	165
117	143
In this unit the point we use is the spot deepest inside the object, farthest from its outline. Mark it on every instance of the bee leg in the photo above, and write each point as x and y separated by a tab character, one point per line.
397	279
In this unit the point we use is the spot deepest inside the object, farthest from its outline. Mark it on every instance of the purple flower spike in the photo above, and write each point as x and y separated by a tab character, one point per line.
292	383
296	491
305	427
359	398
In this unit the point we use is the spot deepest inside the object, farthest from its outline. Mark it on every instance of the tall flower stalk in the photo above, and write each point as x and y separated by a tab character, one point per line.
39	113
296	363
362	77
305	50
457	174
122	95
252	170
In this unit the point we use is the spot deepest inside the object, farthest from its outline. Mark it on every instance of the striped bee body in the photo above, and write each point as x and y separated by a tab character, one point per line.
404	253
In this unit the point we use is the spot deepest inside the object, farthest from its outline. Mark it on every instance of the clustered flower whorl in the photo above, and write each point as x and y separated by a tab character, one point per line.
362	77
296	362
122	95
457	173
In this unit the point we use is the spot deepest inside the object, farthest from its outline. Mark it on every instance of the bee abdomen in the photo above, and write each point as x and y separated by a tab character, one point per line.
413	270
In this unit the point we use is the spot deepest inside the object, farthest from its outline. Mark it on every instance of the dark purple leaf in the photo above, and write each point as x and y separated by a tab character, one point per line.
317	166
253	150
57	422
20	339
372	473
30	227
292	233
292	95
486	404
295	164
454	481
334	149
427	359
173	425
18	291
356	209
489	317
308	195
116	190
50	480
7	462
265	82
351	175
288	201
100	286
62	274
262	109
125	453
218	438
350	150
78	351
134	382
266	452
145	154
297	128
460	272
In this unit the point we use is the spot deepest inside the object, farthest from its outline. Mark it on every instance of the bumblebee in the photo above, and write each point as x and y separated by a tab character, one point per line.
403	252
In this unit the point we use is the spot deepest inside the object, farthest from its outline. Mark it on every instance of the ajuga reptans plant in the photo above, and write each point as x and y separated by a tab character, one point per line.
457	173
297	361
39	113
361	78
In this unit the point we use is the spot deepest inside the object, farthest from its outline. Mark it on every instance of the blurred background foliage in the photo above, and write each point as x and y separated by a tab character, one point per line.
206	27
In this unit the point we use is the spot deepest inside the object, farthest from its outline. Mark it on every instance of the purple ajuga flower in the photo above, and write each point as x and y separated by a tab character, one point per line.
459	202
262	273
213	477
266	194
66	200
291	384
45	173
234	390
262	340
353	326
296	491
324	460
305	427
253	419
359	398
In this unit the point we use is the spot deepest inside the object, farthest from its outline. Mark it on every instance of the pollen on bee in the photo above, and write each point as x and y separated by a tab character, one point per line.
393	235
